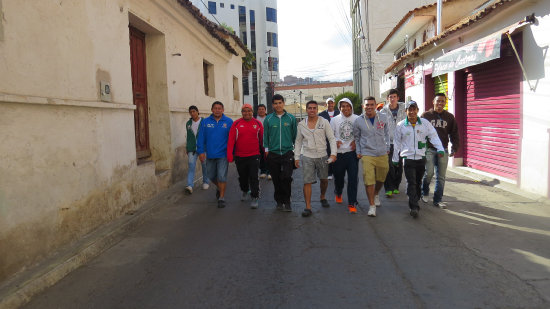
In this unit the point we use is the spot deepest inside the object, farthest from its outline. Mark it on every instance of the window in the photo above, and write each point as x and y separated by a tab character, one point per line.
212	7
222	5
242	24
232	6
246	87
273	64
208	75
272	39
236	95
271	14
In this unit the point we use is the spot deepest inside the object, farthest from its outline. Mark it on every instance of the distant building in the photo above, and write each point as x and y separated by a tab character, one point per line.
255	22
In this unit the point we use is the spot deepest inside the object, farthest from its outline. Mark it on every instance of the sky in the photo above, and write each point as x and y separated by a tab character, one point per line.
315	39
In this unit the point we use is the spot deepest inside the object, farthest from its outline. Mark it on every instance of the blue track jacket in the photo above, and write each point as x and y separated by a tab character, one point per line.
213	137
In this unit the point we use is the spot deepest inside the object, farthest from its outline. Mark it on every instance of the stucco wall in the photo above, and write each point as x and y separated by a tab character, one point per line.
69	160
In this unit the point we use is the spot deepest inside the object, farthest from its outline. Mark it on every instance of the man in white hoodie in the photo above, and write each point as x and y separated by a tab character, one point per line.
346	159
313	132
373	145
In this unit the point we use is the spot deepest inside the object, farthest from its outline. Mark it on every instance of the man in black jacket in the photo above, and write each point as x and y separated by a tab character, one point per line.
328	114
446	127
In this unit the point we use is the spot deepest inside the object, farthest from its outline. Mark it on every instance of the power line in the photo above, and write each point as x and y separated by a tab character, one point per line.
210	13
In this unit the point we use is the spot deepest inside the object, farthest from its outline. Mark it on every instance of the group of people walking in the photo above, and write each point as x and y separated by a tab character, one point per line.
326	145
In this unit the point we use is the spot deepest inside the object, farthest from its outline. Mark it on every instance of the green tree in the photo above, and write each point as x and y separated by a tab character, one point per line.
355	99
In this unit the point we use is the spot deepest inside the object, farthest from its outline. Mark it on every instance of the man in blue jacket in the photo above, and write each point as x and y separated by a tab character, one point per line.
212	148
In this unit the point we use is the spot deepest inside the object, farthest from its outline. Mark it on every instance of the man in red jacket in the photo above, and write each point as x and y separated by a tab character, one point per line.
245	135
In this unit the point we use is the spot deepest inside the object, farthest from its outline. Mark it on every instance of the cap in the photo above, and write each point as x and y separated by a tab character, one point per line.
380	106
246	106
329	99
411	103
345	100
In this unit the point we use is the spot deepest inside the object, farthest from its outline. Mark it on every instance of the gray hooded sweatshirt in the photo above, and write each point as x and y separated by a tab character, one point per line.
371	139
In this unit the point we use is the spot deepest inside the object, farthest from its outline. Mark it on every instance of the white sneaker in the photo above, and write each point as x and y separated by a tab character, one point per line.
244	196
263	176
440	205
377	201
330	177
188	189
372	211
424	199
205	186
268	177
254	203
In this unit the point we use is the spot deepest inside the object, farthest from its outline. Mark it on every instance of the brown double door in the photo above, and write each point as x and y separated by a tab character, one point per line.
139	89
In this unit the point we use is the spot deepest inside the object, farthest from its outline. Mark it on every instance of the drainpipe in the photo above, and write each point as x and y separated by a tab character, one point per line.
439	8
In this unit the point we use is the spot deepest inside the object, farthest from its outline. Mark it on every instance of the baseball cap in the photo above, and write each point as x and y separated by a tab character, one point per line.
411	103
246	106
346	100
329	99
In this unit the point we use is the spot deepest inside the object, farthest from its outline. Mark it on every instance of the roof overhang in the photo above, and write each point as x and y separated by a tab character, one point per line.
408	29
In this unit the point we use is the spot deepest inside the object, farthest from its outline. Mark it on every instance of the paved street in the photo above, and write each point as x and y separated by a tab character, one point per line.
488	250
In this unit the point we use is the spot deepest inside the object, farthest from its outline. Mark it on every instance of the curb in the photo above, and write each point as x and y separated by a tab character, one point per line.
19	290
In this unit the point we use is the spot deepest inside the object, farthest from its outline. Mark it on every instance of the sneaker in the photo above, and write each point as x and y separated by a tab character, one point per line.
279	206
189	190
205	186
217	194
377	201
389	193
325	203
338	199
372	211
221	203
263	176
440	205
414	213
254	203
395	191
268	177
329	177
306	213
244	196
352	209
287	208
424	199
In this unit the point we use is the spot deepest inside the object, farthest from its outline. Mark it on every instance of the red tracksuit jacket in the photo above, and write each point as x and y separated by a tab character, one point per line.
245	138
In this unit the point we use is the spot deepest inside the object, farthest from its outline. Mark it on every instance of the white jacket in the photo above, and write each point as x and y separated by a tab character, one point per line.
342	127
312	143
410	142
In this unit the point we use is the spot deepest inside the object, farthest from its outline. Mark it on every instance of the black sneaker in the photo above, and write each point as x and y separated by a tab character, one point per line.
280	206
287	208
414	213
221	203
306	213
325	203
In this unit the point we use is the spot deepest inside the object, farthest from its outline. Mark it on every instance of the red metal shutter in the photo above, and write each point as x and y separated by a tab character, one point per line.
493	114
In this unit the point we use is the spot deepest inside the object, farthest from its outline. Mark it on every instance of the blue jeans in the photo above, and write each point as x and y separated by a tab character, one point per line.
192	160
216	169
433	161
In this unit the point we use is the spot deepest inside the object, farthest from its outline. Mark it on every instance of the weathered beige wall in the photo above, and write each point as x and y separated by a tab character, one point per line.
68	160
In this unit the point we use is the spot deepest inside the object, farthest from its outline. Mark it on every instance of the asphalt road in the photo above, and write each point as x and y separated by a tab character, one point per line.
488	250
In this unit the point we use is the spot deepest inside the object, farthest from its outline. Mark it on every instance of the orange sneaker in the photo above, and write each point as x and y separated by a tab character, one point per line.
352	209
339	199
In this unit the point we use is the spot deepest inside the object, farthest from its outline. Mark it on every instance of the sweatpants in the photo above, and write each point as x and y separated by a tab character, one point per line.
281	168
414	171
247	167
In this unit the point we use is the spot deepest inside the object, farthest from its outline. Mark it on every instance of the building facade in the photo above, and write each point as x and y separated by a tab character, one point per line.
491	64
94	96
255	22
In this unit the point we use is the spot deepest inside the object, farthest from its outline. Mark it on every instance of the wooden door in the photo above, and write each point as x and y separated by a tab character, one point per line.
139	89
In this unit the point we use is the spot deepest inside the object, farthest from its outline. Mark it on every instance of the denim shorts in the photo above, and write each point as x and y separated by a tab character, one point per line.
216	169
313	166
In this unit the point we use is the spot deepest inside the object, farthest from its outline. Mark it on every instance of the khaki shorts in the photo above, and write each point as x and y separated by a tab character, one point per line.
375	169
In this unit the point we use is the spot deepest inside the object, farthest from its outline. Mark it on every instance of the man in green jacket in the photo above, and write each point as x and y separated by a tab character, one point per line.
279	136
192	127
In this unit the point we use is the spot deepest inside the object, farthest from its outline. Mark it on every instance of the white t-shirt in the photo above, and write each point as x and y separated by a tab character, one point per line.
343	131
195	126
260	119
331	114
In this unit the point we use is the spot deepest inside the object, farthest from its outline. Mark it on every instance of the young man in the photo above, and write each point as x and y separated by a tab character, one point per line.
411	136
446	127
371	137
395	112
329	114
192	130
212	148
279	136
264	171
346	158
244	136
311	142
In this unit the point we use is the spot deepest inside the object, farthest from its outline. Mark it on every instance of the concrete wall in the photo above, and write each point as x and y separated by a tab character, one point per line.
69	160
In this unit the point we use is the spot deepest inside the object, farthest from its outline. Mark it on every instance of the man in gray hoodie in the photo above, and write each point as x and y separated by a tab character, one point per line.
372	146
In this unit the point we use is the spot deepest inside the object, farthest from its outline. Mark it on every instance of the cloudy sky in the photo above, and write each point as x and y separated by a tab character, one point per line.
315	39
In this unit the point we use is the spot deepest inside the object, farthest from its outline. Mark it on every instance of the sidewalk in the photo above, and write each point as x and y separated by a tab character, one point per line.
477	201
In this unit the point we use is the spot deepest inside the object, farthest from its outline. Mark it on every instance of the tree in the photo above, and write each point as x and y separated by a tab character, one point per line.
355	99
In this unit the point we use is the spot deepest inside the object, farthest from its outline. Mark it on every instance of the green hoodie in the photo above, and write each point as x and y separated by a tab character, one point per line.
279	133
191	137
